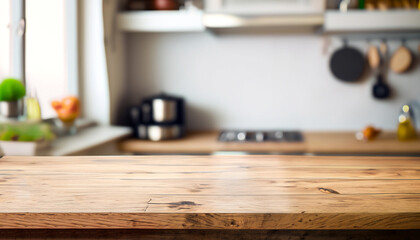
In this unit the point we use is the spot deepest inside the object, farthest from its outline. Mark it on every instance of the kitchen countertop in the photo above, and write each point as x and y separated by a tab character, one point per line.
210	192
314	142
85	139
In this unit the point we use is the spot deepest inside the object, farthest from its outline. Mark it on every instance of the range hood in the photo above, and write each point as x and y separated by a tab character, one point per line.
263	13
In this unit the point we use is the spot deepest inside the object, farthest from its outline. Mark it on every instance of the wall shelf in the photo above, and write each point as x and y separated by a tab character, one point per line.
372	21
333	21
161	21
220	20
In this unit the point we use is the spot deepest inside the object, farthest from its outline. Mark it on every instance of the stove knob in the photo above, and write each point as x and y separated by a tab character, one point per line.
278	135
259	137
241	136
230	136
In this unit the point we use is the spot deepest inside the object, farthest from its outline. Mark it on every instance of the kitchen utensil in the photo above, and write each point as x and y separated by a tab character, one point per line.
401	60
165	132
159	118
380	89
383	48
163	108
347	63
373	57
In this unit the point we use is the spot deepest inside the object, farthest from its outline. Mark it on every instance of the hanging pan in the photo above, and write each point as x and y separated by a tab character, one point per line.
347	63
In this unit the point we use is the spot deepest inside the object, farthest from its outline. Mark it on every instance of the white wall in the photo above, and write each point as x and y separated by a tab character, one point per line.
94	84
259	81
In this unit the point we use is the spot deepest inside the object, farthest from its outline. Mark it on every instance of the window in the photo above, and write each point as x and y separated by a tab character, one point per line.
4	38
50	49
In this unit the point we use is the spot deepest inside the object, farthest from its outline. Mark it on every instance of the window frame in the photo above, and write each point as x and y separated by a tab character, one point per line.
17	33
72	56
17	27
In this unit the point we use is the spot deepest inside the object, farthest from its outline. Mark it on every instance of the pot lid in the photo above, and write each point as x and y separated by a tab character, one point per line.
164	96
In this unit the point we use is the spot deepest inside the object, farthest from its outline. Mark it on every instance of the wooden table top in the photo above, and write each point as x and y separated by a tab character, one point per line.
210	192
314	142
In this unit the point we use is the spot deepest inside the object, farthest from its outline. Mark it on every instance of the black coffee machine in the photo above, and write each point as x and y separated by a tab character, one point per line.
158	118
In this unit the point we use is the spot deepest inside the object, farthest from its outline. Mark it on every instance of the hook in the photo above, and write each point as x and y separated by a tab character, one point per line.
383	47
345	42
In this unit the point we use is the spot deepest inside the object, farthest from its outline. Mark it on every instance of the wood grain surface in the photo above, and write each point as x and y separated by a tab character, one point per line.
314	142
169	234
210	192
345	142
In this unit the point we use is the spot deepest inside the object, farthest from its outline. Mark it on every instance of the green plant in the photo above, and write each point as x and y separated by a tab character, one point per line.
26	132
11	89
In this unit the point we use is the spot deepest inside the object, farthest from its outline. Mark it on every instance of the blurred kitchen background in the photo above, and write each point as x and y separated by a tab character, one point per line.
262	70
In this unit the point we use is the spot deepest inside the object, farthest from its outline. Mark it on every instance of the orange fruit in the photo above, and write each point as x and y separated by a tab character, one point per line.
67	109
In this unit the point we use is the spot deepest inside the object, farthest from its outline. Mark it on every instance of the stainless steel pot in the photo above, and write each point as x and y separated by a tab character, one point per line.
164	110
11	109
159	133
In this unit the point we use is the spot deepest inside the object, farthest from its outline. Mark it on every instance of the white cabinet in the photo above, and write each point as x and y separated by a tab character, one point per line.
372	21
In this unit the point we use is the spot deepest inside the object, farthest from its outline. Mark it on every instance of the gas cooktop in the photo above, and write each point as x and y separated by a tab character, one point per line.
260	136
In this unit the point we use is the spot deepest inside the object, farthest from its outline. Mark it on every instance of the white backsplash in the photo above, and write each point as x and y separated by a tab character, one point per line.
260	81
